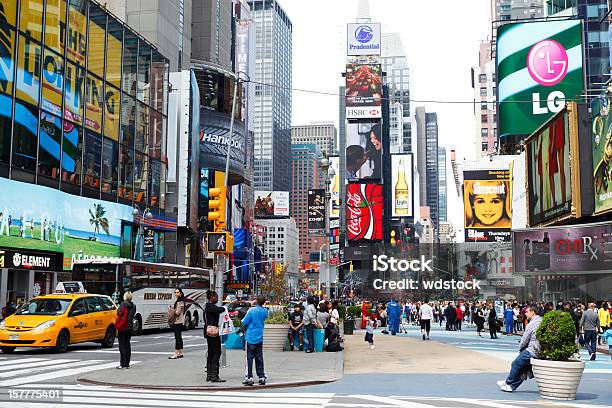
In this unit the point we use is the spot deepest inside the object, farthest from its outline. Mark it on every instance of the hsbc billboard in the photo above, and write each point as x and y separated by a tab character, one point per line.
363	91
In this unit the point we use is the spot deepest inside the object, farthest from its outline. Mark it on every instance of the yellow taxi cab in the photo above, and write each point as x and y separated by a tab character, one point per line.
59	320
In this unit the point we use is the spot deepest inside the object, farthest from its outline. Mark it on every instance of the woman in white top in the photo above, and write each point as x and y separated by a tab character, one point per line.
333	312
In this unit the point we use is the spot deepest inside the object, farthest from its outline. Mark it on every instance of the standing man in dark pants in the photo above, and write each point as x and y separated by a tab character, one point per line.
589	324
492	320
254	323
213	337
125	336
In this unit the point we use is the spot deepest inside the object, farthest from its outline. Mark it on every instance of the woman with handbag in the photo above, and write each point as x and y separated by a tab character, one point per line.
176	320
211	333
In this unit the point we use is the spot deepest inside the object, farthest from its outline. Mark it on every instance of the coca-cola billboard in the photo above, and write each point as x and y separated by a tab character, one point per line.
364	210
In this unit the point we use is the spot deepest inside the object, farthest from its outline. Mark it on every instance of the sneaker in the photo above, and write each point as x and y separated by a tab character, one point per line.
248	382
427	337
372	347
301	347
216	379
119	367
262	381
593	357
423	337
501	383
506	388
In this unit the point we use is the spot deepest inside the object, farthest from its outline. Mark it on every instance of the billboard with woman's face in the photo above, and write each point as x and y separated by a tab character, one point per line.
363	151
487	203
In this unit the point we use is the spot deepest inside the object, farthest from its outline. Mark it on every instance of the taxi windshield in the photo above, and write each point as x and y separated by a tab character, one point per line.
45	307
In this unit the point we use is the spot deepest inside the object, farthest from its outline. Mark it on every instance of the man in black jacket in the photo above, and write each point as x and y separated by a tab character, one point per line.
451	316
125	336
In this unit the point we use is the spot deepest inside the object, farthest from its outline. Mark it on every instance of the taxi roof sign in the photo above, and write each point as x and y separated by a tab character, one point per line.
70	287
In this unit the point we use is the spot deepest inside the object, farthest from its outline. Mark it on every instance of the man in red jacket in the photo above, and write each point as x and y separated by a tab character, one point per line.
459	317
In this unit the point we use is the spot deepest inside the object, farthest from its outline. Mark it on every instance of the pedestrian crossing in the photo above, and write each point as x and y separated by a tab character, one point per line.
91	396
19	371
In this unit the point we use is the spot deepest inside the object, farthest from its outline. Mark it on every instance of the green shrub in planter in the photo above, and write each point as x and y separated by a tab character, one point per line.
342	311
276	318
557	336
354	311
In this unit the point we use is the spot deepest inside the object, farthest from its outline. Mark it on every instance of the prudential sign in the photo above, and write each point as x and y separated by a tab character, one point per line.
539	68
363	39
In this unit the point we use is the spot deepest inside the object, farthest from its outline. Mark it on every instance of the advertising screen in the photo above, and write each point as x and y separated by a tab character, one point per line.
36	217
539	67
487	202
364	211
316	212
401	185
334	162
363	91
363	151
270	204
363	39
583	248
548	171
602	154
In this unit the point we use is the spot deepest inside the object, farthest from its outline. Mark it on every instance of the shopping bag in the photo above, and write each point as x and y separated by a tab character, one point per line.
226	326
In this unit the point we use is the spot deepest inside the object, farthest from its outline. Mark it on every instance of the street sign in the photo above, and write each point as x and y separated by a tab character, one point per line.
222	242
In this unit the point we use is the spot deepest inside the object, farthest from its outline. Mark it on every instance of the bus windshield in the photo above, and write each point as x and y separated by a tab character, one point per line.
45	307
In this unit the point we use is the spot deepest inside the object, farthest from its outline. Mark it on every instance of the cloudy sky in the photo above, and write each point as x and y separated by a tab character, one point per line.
440	37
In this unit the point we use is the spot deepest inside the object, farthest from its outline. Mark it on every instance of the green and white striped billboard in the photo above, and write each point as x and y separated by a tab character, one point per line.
539	67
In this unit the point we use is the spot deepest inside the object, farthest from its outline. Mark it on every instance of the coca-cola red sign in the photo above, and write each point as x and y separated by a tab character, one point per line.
364	208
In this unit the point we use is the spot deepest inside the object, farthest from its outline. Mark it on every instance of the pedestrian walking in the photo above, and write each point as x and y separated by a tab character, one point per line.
426	315
393	314
310	322
604	321
479	319
176	320
213	339
124	325
492	320
369	336
254	322
589	324
528	347
608	338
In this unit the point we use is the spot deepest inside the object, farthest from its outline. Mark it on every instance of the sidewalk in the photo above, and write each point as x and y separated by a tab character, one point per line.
283	369
399	354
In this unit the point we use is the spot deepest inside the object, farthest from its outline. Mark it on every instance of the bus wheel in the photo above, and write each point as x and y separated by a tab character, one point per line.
188	322
8	349
62	342
137	326
196	320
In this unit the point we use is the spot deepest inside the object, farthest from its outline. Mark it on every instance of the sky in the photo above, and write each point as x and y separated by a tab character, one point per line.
440	38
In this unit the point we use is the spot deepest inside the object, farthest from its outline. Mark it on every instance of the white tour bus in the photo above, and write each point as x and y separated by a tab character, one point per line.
152	285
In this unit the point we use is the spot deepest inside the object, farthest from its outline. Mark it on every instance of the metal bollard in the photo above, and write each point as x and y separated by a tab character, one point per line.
223	356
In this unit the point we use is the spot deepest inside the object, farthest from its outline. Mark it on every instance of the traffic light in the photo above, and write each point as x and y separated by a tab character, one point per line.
351	267
222	242
279	268
217	207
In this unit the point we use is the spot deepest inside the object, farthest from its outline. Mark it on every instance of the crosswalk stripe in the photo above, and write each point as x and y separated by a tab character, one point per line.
56	374
66	364
391	401
42	363
20	361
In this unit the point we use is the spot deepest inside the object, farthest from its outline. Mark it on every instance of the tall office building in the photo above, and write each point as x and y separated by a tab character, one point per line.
442	197
212	32
272	101
166	24
427	161
306	176
485	114
395	64
324	135
506	10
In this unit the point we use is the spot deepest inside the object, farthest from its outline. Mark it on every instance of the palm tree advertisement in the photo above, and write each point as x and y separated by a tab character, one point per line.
37	217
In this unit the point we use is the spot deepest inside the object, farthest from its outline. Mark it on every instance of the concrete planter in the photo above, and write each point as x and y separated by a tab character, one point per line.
275	336
557	380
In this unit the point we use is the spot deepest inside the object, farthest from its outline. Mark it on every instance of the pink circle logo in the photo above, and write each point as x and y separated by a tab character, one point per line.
547	63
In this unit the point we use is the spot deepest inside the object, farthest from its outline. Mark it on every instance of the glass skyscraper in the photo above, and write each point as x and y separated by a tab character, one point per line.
272	96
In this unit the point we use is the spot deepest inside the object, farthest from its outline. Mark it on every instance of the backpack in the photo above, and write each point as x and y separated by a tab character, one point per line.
121	324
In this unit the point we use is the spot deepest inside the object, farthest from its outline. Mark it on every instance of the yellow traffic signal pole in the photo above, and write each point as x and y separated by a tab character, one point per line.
221	261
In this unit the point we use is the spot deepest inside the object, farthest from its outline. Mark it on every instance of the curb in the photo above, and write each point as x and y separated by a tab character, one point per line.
339	375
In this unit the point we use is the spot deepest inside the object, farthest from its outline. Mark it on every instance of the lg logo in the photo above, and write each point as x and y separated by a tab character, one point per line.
547	63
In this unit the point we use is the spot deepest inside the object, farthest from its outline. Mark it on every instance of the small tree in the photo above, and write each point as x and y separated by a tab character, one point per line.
557	336
274	288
